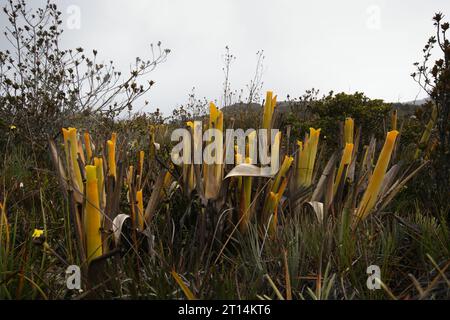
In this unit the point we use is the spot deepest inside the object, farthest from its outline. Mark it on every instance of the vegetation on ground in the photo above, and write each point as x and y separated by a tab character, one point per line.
87	182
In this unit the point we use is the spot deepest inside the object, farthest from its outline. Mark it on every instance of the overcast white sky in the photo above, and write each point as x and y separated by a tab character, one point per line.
345	45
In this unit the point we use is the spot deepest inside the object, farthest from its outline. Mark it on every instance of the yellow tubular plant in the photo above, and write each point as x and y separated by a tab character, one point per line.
274	222
140	207
287	161
4	227
370	196
219	166
277	189
238	160
180	282
312	152
66	145
98	163
246	185
275	153
306	158
245	201
111	158
92	216
269	207
188	168
141	167
349	130
268	110
274	103
345	160
71	149
87	145
213	172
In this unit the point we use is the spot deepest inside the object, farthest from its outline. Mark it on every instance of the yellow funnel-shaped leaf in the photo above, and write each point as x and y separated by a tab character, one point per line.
311	153
141	162
282	173
66	147
87	145
140	168
306	158
71	148
274	223
345	160
245	203
214	114
348	130
274	103
140	206
269	207
213	173
370	196
98	163
219	122
92	215
186	290
111	158
268	110
4	229
279	195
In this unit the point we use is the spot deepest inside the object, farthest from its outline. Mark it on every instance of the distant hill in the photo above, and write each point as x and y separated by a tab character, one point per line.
404	108
282	106
410	107
419	102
